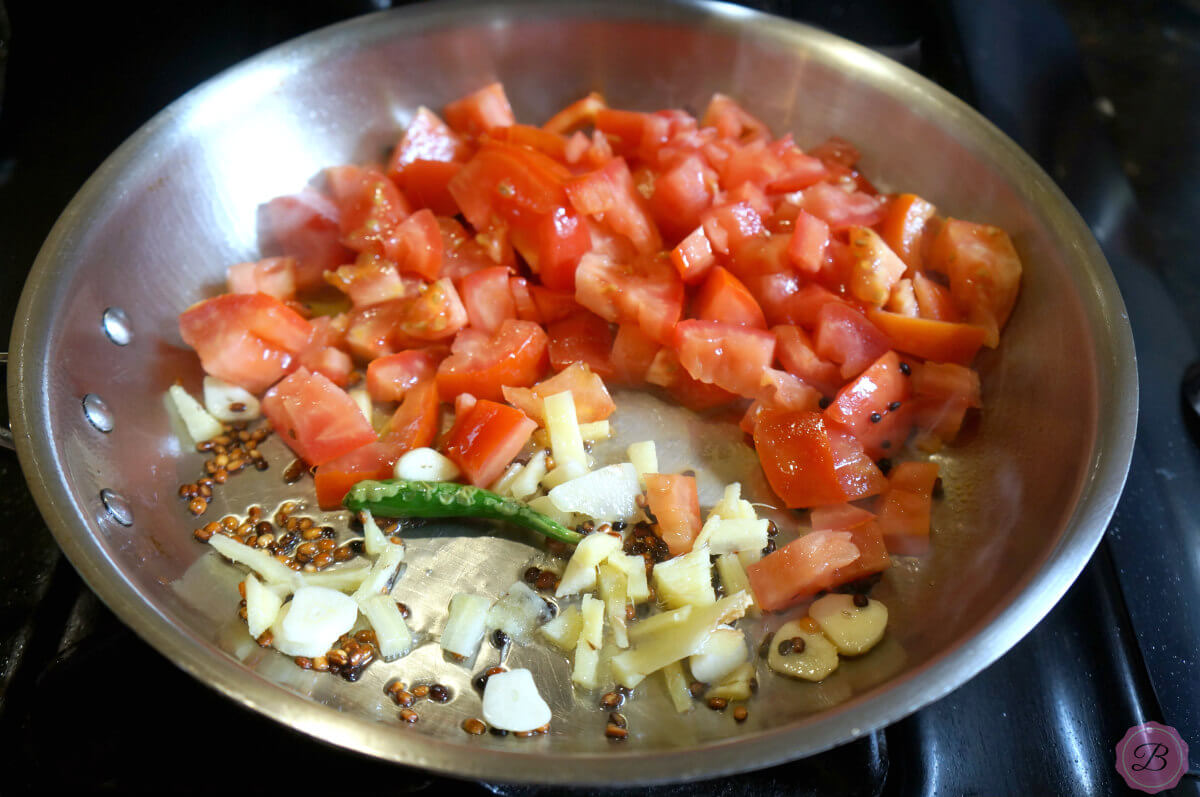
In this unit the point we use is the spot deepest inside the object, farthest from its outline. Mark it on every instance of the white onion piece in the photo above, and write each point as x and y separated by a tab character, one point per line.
607	494
391	632
465	625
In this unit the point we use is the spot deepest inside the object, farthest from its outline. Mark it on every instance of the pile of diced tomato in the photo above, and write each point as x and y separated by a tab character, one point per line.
703	258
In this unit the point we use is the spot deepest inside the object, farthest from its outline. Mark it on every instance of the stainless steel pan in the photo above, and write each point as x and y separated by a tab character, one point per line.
95	344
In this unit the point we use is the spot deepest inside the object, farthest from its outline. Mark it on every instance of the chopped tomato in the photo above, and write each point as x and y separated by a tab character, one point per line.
675	506
904	510
801	569
873	554
330	362
249	339
836	150
795	352
780	390
481	365
517	185
646	291
622	129
858	474
550	144
390	378
488	298
632	353
841	209
522	297
486	439
315	418
413	425
874	406
374	331
427	184
732	120
416	245
729	356
784	300
369	205
809	246
274	276
903	300
942	394
941	341
305	226
984	272
934	300
728	226
461	253
666	371
610	194
436	313
552	305
681	194
693	256
372	279
903	227
562	238
846	337
874	267
582	338
480	111
578	114
800	170
427	138
724	298
838	517
592	401
794	449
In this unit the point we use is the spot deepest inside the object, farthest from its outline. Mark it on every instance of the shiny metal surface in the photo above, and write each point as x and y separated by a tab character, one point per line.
1027	497
6	439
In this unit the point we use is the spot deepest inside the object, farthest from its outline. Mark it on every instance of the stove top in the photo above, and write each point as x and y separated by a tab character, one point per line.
1062	79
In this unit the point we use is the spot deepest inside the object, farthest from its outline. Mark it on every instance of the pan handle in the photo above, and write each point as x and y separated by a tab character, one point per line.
6	438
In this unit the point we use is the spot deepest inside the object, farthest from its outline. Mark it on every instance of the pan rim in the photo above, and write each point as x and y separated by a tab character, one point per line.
995	633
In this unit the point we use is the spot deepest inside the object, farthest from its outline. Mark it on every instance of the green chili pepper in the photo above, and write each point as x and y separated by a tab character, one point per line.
397	498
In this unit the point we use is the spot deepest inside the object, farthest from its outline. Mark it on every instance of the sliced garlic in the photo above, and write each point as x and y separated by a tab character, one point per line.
426	465
199	423
228	402
812	661
312	622
852	629
511	702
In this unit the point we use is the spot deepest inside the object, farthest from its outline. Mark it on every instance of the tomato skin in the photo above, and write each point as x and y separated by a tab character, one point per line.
794	449
305	226
801	569
316	418
582	338
591	397
724	298
274	276
796	354
874	267
427	184
413	425
249	339
632	353
940	341
846	337
905	509
480	111
480	364
370	206
872	396
675	504
488	298
984	272
646	291
681	195
903	227
729	356
610	193
693	256
486	439
390	378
